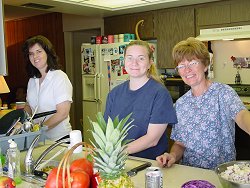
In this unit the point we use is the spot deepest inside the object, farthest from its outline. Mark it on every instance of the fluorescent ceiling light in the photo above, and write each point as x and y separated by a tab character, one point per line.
115	4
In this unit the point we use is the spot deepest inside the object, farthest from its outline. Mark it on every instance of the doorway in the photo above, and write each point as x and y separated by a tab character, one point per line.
78	37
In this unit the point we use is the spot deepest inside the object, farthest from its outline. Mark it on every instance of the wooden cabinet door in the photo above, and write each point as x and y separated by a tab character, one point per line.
213	14
127	23
117	25
145	30
240	11
172	26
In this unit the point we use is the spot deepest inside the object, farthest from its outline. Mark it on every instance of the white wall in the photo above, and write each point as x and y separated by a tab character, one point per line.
223	65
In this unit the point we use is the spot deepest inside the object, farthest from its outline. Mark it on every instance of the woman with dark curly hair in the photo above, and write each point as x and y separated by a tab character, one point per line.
49	88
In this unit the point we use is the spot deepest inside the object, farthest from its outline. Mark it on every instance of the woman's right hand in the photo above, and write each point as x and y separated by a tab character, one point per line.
166	160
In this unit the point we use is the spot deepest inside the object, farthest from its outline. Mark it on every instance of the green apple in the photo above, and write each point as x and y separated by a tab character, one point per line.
7	182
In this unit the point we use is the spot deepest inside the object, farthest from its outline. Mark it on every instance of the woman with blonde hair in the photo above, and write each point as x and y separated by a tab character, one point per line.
146	98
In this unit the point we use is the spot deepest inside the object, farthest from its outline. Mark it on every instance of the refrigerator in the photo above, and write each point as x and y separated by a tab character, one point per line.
102	69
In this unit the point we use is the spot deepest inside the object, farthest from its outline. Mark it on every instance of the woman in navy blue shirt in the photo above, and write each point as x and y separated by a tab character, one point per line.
145	96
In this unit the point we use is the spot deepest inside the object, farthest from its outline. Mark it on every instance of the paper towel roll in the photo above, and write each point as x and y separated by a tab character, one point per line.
75	138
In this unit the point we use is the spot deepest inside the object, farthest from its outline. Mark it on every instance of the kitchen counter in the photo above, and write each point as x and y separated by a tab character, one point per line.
173	177
246	101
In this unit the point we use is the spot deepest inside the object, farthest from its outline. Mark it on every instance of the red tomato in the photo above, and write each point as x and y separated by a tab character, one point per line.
7	182
78	179
82	164
95	180
51	180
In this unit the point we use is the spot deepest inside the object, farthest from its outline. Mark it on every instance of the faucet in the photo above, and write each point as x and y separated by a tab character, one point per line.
30	164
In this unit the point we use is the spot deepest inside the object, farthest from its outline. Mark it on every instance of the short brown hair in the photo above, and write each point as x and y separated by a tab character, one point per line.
190	49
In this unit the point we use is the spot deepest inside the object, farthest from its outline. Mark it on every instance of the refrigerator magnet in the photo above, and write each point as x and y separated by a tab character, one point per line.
111	51
119	72
115	51
122	61
117	68
121	49
124	70
103	51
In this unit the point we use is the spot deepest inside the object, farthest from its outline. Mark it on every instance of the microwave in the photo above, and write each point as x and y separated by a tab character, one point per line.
176	87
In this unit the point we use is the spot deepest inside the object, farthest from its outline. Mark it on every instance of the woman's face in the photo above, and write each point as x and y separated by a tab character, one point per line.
192	72
137	61
38	57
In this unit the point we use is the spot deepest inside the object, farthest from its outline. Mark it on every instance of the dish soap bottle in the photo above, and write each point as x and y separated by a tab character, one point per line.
237	78
13	156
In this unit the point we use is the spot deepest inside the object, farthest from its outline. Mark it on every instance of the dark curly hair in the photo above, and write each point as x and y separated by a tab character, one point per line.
52	58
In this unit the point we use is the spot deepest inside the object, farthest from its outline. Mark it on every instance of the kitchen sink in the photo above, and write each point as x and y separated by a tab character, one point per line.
38	181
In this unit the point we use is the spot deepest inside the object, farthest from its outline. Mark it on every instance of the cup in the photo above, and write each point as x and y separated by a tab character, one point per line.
75	138
110	39
121	37
126	37
98	40
20	105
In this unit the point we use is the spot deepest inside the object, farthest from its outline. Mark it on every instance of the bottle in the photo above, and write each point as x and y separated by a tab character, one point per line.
237	78
13	157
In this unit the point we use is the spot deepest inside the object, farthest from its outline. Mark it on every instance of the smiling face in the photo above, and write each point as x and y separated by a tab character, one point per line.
38	57
137	61
192	72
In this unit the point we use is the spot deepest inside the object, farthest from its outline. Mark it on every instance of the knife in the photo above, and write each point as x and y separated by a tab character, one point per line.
134	171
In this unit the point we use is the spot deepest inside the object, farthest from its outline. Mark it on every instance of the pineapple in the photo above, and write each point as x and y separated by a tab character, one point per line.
110	155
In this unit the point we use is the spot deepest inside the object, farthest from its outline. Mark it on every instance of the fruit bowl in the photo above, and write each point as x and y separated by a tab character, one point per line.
234	174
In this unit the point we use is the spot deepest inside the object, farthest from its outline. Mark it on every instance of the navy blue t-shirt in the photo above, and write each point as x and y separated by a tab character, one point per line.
151	103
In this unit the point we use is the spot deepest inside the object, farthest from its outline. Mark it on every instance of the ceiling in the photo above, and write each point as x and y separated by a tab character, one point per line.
13	8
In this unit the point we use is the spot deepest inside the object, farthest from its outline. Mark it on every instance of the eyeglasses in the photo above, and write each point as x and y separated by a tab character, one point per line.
190	65
140	59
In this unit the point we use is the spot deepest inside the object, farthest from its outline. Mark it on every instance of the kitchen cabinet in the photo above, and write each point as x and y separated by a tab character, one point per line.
213	14
117	25
240	11
127	23
146	30
172	26
222	14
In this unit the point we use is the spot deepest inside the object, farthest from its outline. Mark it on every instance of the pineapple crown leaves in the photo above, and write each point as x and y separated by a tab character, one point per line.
101	121
110	144
110	131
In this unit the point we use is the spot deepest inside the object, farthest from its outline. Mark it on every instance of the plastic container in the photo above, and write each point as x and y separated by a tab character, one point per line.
126	37
121	37
132	36
93	40
104	40
116	38
110	39
23	140
13	157
98	40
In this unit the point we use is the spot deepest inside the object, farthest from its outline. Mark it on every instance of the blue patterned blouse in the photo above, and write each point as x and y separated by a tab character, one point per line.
206	126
